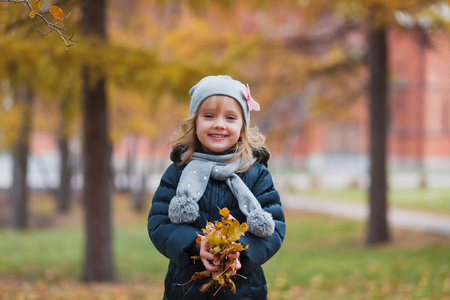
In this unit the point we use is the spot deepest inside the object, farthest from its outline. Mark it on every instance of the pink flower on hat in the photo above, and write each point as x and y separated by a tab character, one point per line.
252	104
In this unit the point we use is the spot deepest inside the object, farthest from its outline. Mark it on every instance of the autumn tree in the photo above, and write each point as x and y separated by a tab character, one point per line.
377	229
66	168
377	17
17	97
23	97
22	85
98	264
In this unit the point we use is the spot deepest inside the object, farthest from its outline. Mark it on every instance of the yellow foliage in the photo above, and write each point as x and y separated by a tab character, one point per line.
373	13
12	119
152	59
193	40
150	65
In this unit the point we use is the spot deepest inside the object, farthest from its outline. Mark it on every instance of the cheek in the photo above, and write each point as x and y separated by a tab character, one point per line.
241	130
197	127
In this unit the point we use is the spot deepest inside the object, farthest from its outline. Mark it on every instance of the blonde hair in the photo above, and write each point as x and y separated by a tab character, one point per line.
251	142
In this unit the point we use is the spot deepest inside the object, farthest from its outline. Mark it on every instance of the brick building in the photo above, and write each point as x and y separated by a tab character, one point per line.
418	122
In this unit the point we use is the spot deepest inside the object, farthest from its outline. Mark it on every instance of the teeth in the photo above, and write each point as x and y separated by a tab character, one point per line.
217	135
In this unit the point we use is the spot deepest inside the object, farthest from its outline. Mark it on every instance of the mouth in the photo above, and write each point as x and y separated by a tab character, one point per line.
217	136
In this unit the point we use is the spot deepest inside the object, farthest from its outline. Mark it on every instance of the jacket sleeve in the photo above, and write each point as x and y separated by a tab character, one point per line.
262	249
175	241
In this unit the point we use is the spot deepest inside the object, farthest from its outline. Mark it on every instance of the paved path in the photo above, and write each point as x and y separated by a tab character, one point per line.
397	217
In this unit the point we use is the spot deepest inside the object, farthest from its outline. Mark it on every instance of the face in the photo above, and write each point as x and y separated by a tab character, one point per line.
219	123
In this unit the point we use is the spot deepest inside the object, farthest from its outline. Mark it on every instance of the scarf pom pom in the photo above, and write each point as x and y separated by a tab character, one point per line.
260	223
183	210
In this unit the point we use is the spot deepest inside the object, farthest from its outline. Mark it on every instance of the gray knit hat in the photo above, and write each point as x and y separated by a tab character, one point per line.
222	85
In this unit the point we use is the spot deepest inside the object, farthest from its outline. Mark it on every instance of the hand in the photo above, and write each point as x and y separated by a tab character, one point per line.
205	256
236	256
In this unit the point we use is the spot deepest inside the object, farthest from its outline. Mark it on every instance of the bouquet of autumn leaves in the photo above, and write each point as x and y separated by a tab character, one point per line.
222	238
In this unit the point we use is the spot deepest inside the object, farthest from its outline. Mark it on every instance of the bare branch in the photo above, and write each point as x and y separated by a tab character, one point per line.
25	2
58	29
52	26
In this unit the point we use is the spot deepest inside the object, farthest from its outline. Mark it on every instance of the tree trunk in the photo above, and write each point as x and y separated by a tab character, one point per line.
378	87
65	170
130	168
19	188
65	175
98	264
139	193
420	115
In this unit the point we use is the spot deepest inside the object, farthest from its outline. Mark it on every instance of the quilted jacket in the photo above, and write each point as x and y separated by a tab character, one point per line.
177	241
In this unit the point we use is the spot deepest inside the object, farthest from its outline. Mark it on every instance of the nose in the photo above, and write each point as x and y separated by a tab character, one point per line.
219	124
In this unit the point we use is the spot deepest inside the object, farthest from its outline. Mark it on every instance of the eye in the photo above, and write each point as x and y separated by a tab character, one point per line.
208	116
231	117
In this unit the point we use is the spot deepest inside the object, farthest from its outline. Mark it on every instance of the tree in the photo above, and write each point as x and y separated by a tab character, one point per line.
377	16
377	229
98	263
23	94
19	189
65	169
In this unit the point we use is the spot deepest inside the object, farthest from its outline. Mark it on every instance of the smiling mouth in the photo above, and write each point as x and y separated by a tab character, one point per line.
217	136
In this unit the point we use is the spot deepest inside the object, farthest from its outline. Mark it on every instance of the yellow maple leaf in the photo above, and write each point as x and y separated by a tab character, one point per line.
236	230
35	9
216	239
56	12
224	212
238	247
200	238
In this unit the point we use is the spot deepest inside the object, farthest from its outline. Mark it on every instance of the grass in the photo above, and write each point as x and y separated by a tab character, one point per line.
321	258
324	258
436	200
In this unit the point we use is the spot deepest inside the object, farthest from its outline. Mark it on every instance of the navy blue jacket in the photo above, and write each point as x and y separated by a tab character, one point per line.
177	241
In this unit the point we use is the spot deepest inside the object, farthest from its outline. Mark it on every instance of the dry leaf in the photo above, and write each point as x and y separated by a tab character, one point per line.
56	12
222	238
35	9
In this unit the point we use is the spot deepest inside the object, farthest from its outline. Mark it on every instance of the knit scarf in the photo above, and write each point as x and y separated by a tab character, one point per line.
183	207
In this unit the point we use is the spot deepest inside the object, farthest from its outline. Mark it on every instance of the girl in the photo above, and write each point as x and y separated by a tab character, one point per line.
219	161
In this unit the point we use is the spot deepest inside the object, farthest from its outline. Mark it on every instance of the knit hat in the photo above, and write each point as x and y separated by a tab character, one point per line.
222	85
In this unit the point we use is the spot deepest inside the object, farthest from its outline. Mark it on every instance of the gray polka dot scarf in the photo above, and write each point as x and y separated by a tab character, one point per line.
183	207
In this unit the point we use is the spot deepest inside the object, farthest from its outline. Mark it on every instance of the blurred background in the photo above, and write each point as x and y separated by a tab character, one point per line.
355	107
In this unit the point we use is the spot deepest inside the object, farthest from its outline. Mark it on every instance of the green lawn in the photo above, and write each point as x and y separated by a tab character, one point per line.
324	258
321	258
428	199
